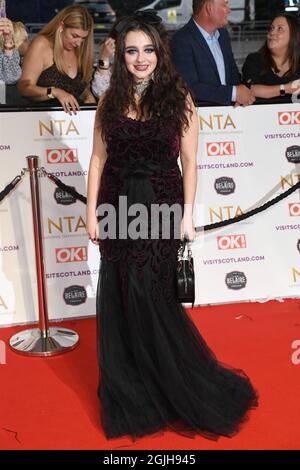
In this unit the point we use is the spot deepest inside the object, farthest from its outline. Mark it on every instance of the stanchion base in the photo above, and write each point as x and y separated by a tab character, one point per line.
31	342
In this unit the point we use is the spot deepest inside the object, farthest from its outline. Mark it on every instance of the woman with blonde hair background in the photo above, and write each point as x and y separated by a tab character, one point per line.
10	70
58	64
21	37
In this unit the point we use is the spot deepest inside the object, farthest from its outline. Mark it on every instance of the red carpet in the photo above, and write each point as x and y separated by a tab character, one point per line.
51	403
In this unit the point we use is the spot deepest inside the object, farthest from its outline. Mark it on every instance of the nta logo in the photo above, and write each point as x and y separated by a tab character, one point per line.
236	280
216	121
294	209
3	303
75	295
296	274
220	149
287	118
55	156
71	254
224	212
231	242
69	224
57	127
224	185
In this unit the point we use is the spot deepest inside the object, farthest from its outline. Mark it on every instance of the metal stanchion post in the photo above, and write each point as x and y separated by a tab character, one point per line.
42	341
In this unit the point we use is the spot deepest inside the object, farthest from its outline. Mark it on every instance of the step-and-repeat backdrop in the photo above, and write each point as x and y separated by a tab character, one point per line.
246	156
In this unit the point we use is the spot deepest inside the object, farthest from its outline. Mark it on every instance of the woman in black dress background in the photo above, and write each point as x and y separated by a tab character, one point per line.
274	71
156	371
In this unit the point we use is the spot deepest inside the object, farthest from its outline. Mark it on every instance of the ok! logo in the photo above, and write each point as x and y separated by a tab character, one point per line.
294	209
55	156
231	242
288	118
71	254
220	149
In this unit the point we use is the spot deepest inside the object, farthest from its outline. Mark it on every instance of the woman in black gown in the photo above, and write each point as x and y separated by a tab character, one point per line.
156	371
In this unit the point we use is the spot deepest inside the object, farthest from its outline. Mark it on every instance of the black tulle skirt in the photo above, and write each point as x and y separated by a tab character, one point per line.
156	371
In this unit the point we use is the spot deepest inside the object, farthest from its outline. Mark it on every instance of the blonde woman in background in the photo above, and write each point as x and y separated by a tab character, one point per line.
10	69
21	37
58	64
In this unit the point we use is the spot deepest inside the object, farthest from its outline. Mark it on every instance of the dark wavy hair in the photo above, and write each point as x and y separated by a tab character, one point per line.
293	53
166	96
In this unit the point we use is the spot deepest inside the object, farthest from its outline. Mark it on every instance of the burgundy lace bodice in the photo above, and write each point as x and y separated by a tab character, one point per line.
136	147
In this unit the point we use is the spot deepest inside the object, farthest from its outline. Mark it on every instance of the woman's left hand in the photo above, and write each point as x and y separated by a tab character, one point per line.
68	101
107	49
187	228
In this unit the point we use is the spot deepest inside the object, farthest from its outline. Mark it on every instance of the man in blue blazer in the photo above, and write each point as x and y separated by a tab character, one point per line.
203	56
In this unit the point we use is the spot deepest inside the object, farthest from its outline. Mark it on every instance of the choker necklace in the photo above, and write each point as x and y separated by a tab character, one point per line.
141	86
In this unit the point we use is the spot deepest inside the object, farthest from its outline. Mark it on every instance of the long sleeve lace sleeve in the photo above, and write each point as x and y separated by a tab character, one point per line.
10	69
100	83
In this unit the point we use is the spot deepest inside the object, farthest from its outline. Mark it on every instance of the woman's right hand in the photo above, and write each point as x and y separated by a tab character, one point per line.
187	228
68	101
92	228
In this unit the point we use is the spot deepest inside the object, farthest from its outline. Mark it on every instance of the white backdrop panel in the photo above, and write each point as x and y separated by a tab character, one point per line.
242	162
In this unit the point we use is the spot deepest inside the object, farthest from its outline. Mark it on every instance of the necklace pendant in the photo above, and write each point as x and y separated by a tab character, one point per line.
140	87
